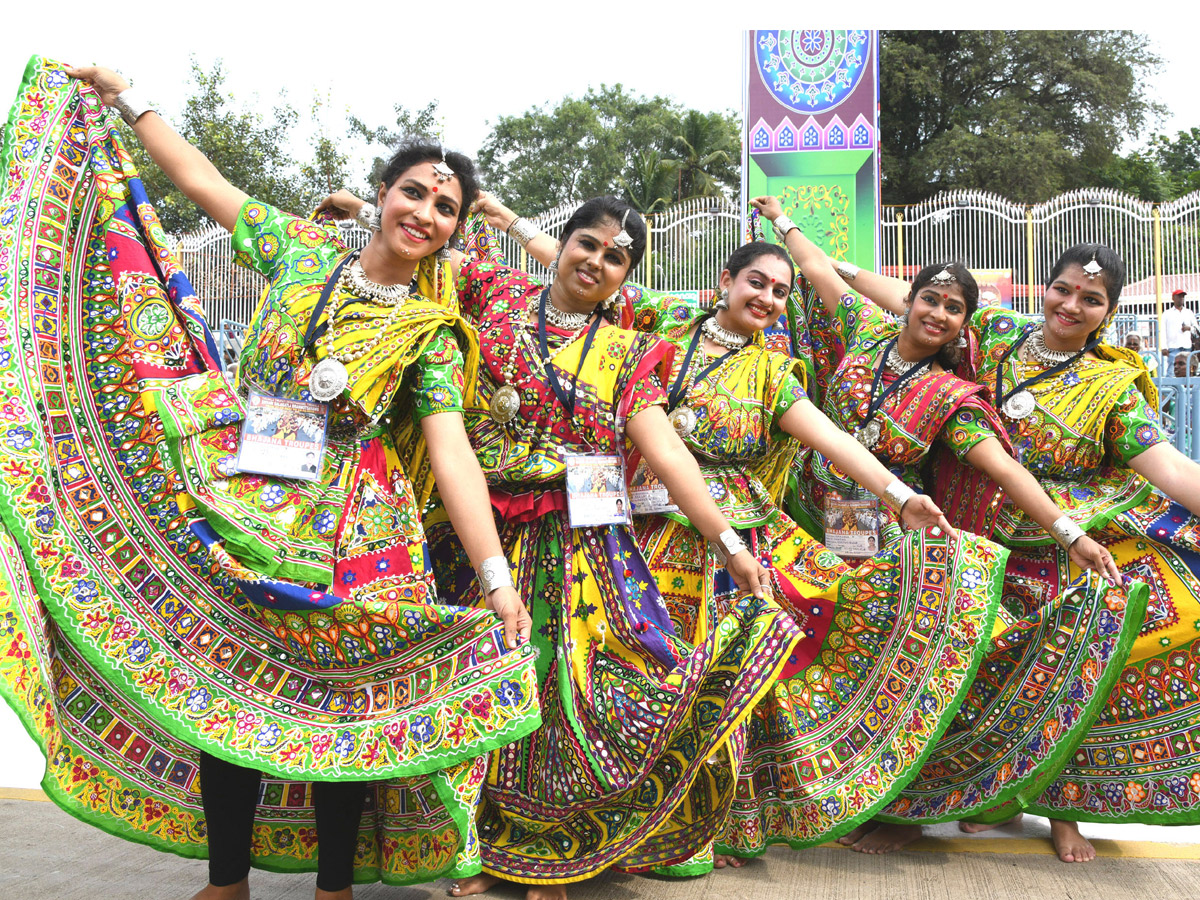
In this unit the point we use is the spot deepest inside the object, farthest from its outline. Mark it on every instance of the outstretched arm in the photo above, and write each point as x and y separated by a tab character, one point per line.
812	427
671	460
464	491
990	457
813	262
188	168
1172	473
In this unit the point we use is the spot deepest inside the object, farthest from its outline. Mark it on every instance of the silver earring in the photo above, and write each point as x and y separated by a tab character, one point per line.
375	223
722	300
902	320
554	266
961	340
444	254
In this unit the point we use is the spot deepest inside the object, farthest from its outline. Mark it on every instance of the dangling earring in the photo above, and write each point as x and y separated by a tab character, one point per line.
723	300
902	320
553	267
443	254
375	222
961	340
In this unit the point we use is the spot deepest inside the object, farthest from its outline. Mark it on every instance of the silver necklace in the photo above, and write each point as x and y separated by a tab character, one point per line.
730	340
1035	347
896	362
385	294
567	321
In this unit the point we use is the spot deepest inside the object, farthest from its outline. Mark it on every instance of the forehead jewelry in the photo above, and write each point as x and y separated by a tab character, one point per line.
623	239
1093	268
442	170
943	277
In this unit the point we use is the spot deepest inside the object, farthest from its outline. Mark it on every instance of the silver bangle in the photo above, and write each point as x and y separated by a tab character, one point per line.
783	224
849	271
522	231
494	573
728	545
132	106
1065	532
364	215
897	494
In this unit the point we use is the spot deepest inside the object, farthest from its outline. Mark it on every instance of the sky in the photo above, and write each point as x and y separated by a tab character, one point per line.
484	61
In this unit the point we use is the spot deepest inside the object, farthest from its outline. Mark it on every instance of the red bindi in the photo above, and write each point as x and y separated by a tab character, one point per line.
1078	287
435	190
945	296
605	243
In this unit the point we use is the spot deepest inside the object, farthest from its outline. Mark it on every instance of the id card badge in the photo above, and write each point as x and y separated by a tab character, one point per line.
852	523
282	437
596	489
648	496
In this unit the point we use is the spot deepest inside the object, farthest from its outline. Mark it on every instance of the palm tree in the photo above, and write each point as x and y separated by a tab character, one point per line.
650	180
705	145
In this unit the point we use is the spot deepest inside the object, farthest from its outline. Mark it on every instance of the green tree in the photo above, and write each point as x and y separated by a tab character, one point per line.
328	169
650	182
1179	159
248	149
1138	174
1027	114
591	145
423	123
709	154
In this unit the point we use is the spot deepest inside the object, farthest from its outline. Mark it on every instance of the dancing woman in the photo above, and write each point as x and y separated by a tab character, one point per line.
1082	415
942	417
742	412
260	620
641	729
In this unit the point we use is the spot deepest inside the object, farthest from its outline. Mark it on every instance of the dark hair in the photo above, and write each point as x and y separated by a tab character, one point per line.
748	253
1112	274
603	209
414	152
949	355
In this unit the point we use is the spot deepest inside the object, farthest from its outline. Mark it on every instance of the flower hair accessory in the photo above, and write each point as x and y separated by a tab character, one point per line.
1092	268
943	278
624	239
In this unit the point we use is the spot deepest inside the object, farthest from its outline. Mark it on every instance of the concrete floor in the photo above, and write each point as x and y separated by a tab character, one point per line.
48	855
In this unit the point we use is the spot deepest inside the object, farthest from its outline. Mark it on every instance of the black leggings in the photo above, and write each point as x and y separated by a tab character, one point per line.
230	795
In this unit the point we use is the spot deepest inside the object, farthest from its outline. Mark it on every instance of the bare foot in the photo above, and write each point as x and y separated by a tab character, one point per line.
721	860
346	893
851	838
1070	845
238	891
977	827
476	884
887	838
546	892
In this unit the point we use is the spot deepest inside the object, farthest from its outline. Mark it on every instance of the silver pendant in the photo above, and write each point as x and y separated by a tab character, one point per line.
505	405
869	434
1019	405
683	419
327	380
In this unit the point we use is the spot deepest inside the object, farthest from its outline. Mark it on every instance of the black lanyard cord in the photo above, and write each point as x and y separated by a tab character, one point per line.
678	392
312	333
1002	397
875	402
565	398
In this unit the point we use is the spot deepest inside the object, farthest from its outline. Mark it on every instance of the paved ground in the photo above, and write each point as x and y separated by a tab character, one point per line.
48	855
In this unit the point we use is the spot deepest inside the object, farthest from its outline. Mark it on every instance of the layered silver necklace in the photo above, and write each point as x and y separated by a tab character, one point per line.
898	363
567	321
1036	349
362	286
730	340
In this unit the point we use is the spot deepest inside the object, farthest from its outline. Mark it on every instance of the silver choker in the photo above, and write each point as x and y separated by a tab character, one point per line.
1036	348
567	321
360	285
730	340
898	363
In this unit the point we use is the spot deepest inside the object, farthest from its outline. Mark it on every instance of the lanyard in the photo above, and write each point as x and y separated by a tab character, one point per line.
312	333
566	399
678	393
1001	397
874	402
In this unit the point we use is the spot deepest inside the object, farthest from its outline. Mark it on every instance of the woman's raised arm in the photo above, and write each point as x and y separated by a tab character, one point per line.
188	168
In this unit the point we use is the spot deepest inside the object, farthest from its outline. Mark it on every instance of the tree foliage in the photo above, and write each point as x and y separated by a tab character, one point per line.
249	149
609	141
423	123
1025	113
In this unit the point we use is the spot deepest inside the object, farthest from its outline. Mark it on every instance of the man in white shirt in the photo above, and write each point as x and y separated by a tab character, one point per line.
1179	325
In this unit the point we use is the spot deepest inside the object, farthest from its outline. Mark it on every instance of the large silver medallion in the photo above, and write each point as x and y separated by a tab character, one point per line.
683	420
505	405
327	380
869	434
1019	405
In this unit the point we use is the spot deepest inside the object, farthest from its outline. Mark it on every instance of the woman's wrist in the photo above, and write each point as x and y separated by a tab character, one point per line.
728	545
1065	531
896	494
493	573
131	105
